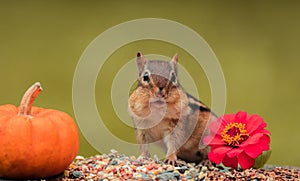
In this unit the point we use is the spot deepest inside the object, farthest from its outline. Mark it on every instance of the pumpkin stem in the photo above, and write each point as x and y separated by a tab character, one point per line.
28	99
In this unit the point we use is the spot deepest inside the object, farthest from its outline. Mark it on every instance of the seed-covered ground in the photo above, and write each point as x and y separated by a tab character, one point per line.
116	166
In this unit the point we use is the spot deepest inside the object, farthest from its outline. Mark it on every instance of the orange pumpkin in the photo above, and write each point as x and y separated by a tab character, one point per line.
35	142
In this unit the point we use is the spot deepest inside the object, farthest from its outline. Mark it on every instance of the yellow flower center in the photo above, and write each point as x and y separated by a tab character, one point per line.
234	134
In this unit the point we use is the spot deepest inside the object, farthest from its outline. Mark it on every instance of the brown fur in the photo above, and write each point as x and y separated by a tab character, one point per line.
176	118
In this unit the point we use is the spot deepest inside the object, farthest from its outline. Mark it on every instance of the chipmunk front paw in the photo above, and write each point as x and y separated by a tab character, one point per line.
145	154
171	159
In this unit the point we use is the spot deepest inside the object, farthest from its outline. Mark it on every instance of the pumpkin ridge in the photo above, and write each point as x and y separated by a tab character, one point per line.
55	148
74	132
8	109
41	112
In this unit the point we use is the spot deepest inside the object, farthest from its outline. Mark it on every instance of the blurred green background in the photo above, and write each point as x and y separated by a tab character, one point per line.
257	44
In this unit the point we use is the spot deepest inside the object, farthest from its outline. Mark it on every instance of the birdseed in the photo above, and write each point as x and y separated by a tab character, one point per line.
119	167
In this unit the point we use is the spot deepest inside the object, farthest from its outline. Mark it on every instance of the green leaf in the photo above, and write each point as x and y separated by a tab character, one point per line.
262	159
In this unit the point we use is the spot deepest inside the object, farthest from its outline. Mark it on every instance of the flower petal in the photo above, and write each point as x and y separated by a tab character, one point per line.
214	127
253	139
234	152
207	140
241	117
221	149
253	151
265	142
255	123
245	161
264	131
217	153
216	140
217	158
230	162
226	119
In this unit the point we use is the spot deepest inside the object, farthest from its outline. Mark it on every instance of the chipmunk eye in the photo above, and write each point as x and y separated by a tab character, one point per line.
146	77
173	78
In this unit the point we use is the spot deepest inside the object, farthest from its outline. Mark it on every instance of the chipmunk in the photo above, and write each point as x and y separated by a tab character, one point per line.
163	112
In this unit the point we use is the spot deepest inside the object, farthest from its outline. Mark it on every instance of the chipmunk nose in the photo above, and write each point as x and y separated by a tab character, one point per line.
160	92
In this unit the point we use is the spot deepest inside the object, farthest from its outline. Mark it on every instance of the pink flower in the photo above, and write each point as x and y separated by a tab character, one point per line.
237	139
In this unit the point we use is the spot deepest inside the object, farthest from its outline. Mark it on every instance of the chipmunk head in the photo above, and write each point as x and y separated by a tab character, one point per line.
160	77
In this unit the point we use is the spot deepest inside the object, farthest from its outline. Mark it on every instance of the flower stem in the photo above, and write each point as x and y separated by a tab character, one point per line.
28	99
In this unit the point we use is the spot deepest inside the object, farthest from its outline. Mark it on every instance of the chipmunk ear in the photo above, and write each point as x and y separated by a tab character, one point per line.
141	61
175	58
174	62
